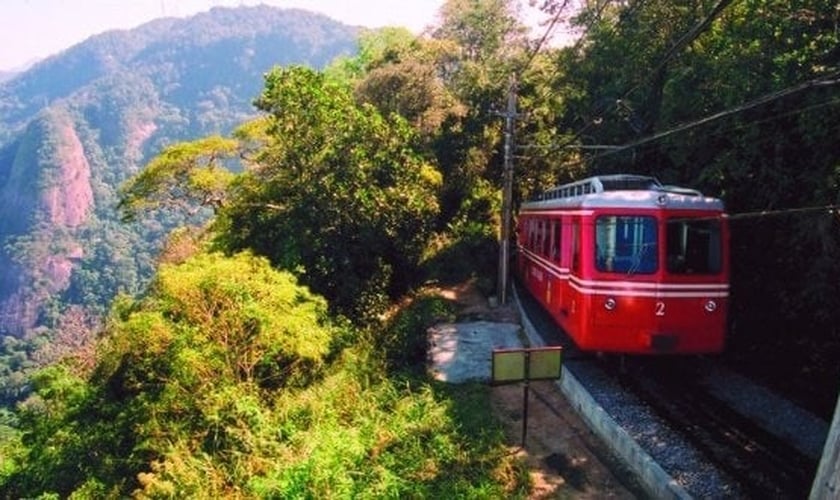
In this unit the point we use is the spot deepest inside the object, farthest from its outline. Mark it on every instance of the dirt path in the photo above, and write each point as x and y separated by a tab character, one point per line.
566	460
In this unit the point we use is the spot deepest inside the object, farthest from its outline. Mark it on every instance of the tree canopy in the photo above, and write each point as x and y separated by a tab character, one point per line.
184	176
337	192
230	380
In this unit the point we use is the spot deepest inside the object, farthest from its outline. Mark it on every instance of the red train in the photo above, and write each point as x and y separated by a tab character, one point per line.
627	265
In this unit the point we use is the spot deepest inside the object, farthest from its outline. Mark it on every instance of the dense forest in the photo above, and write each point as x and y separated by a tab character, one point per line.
278	348
103	108
78	124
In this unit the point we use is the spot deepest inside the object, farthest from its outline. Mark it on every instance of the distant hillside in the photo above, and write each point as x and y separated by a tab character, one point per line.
7	75
76	125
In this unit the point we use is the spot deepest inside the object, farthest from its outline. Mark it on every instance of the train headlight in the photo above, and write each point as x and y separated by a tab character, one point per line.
610	304
710	306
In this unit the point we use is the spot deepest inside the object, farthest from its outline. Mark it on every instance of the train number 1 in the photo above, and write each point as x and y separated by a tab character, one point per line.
660	308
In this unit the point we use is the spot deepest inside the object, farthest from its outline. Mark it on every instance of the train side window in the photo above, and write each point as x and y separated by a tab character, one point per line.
531	234
575	246
542	238
555	240
626	244
694	246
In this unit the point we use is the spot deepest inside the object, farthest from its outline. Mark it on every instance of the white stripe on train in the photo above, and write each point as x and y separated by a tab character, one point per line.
633	288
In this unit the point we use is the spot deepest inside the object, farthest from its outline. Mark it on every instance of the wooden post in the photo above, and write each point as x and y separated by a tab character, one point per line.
827	481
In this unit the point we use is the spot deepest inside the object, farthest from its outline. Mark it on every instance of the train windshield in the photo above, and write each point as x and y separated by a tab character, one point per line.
626	244
694	246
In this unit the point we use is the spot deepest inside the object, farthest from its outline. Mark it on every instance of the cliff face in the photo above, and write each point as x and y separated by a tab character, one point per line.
69	200
75	126
49	192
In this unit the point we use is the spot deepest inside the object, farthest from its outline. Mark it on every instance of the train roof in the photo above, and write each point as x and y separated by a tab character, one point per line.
622	191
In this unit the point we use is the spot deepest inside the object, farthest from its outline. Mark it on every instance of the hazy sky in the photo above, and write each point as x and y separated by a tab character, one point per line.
34	29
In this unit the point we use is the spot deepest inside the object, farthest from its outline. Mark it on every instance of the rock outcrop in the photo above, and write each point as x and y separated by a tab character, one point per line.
50	197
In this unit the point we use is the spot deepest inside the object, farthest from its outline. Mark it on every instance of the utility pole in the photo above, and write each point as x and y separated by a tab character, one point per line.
507	193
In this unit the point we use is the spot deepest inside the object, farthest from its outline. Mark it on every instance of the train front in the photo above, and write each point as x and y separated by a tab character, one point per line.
660	277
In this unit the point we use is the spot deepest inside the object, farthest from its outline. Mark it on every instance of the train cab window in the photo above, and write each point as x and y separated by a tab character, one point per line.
626	244
694	246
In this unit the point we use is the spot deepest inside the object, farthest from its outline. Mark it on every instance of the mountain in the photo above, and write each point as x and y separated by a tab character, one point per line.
7	75
76	125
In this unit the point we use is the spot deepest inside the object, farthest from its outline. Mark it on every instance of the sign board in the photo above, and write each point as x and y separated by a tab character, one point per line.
516	365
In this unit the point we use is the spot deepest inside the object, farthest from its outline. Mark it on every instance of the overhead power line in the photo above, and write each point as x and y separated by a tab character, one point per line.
829	80
684	40
681	43
832	79
829	209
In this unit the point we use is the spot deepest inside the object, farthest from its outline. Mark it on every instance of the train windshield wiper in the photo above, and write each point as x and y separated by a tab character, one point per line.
637	260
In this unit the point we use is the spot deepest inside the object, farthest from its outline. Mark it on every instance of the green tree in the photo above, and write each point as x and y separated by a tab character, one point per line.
229	380
487	31
337	193
183	373
184	176
404	76
490	44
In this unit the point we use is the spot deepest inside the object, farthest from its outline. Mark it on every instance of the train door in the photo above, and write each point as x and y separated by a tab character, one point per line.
554	290
522	228
543	252
528	243
574	267
570	319
536	273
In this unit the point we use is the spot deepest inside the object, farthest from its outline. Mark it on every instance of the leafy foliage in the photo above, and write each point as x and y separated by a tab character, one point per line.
227	381
337	192
399	73
184	176
124	96
211	327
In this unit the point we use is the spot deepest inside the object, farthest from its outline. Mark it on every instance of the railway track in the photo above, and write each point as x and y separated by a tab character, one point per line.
760	463
751	461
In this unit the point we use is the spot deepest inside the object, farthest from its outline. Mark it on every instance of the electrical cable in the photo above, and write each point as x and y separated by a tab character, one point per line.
830	209
684	40
832	79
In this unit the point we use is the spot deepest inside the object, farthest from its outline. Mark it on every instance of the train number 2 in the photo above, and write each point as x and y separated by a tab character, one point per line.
660	309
